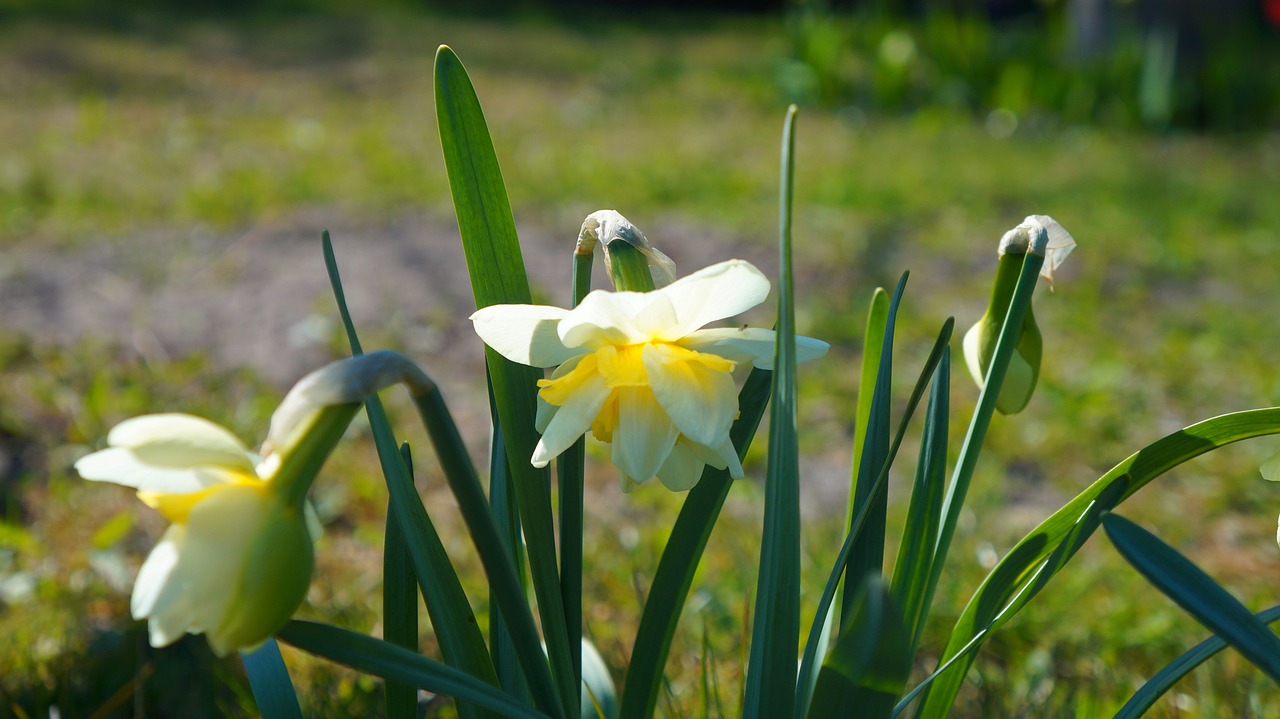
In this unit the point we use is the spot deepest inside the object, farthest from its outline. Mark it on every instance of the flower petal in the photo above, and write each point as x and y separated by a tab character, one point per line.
572	419
123	467
181	441
750	344
644	435
610	318
524	333
682	470
695	390
714	293
154	575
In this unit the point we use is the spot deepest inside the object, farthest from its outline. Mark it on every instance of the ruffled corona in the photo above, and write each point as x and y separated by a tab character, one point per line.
637	370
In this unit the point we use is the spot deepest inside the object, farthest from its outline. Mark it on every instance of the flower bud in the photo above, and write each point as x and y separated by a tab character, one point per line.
632	263
1037	234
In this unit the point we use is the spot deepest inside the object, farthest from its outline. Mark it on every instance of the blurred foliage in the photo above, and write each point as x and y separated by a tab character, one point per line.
1210	67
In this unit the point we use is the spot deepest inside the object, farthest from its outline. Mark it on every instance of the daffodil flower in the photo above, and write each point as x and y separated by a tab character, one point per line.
237	559
638	370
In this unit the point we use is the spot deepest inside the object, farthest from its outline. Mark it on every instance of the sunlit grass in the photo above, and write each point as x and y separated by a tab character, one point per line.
1166	314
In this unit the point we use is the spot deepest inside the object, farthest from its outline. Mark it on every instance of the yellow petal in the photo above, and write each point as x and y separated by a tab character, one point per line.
695	389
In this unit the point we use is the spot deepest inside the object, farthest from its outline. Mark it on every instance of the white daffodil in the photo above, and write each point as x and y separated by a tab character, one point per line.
237	560
639	372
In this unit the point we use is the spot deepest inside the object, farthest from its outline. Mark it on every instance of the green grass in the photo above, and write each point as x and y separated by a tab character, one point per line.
1165	315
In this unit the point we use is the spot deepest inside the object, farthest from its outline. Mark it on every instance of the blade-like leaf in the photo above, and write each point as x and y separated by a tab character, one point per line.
870	662
374	656
269	680
498	276
771	686
452	618
1196	592
674	576
807	675
1155	687
868	551
924	515
399	604
1023	564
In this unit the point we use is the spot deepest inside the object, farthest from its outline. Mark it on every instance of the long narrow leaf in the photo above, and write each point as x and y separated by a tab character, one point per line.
924	515
872	348
868	552
807	675
506	659
269	680
399	604
386	660
452	617
1196	592
775	633
1155	687
870	662
498	276
1021	566
570	470
674	576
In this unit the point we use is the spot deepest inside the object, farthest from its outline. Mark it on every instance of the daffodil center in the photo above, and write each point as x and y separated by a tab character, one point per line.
177	506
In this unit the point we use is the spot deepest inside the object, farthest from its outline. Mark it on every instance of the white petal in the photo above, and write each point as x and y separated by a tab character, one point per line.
1271	469
609	318
714	293
526	334
754	345
154	575
187	591
682	470
700	401
723	456
571	420
123	467
181	441
644	435
973	354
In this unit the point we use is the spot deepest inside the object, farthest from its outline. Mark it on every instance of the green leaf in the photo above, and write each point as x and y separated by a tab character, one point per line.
870	662
1032	561
814	643
924	515
674	576
269	680
771	685
1155	687
452	618
868	551
498	276
374	656
399	604
1196	592
872	347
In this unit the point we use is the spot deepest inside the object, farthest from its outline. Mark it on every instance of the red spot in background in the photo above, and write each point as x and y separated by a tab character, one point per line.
1272	10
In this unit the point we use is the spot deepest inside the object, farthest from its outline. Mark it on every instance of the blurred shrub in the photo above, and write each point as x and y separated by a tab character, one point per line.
1211	68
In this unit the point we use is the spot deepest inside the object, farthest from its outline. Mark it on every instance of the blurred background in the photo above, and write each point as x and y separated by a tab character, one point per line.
166	169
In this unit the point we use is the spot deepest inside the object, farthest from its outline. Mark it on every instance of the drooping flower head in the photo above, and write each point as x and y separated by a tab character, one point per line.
236	561
638	370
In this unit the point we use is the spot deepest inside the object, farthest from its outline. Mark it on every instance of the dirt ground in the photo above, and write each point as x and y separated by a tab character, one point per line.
260	297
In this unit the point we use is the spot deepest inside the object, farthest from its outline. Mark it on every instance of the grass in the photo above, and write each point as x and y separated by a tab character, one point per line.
1164	316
